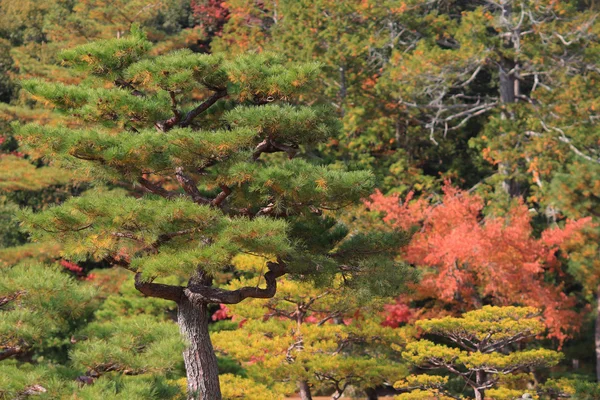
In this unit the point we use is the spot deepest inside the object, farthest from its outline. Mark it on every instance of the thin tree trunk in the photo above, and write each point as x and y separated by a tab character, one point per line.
509	90
480	377
508	82
597	334
199	356
343	90
304	390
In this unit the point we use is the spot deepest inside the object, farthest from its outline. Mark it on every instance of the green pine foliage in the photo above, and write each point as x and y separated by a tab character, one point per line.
481	353
91	226
40	306
219	181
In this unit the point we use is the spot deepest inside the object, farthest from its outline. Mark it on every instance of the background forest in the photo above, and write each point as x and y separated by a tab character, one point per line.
415	184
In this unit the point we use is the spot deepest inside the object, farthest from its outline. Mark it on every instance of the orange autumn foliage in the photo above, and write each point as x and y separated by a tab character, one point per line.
468	259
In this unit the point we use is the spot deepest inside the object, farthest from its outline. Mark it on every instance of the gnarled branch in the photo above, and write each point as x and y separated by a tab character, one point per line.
207	294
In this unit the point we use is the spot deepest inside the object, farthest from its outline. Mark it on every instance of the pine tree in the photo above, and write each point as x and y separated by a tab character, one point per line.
219	156
481	354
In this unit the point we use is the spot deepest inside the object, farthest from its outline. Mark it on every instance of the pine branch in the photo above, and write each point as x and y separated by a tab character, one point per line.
268	146
207	294
166	125
225	191
11	351
189	186
189	117
156	189
159	290
165	237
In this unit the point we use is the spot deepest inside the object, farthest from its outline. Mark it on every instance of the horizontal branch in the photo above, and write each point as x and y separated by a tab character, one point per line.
156	189
148	288
207	294
11	351
269	146
158	290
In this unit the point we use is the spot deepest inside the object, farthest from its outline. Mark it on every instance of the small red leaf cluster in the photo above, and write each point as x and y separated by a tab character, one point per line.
221	314
76	269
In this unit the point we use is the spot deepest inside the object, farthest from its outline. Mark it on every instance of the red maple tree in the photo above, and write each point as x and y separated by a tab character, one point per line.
468	259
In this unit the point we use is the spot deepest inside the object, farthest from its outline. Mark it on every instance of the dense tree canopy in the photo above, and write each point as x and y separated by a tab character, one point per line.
274	175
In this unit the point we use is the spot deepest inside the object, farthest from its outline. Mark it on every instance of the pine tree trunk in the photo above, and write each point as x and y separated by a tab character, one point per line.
371	394
597	334
304	390
199	356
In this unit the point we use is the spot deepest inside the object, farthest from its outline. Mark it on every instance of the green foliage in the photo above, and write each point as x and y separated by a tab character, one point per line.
492	324
90	226
18	174
131	387
215	191
108	57
484	351
131	345
401	74
9	226
16	379
328	337
41	307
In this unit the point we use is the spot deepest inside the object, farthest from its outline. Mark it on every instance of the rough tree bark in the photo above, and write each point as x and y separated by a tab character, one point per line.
199	357
304	390
192	317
